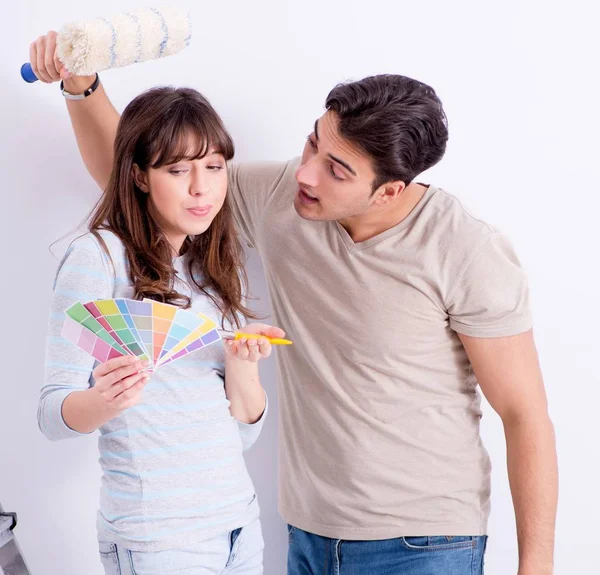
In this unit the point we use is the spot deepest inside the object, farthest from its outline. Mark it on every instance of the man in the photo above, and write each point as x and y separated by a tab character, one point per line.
400	303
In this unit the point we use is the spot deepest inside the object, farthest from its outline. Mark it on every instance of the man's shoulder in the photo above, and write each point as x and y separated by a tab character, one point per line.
449	218
265	175
449	234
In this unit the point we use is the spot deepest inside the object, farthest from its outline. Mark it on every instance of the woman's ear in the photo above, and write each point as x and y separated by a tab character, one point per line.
140	178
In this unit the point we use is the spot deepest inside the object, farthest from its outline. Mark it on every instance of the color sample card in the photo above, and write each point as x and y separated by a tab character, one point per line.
81	315
162	318
149	330
204	334
109	315
129	316
199	343
183	324
88	341
141	315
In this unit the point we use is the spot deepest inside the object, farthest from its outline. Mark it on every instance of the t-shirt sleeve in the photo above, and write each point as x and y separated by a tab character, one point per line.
491	297
83	275
249	432
250	188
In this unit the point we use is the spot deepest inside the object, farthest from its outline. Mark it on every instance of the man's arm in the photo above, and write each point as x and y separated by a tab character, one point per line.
509	374
94	118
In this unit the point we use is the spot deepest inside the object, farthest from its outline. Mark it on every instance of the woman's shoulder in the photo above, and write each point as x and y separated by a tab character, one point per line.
99	248
96	241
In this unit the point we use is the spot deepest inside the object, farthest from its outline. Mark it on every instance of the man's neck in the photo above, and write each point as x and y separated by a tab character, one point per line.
372	223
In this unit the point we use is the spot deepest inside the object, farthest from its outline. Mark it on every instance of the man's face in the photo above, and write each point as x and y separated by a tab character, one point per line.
335	178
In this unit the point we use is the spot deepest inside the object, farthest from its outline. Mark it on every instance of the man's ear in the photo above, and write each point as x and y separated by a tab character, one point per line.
140	178
388	192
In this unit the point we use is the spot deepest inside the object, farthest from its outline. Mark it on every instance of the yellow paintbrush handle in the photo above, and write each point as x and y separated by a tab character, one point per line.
271	340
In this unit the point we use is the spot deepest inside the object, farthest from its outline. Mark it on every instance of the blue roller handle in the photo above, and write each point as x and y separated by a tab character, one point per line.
27	73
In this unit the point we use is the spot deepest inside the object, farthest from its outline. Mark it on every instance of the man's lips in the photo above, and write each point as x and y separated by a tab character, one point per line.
306	198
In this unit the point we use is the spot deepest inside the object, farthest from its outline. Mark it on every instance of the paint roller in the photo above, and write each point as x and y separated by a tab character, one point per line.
88	47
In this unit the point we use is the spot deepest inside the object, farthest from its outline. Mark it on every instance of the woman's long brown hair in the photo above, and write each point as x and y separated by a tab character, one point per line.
156	129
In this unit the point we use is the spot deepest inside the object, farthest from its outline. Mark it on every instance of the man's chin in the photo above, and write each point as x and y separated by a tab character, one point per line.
305	212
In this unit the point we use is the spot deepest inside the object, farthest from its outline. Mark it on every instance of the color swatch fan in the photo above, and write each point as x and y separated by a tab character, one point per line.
157	332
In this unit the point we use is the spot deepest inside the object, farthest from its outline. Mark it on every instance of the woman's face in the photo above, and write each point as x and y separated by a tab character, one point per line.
185	197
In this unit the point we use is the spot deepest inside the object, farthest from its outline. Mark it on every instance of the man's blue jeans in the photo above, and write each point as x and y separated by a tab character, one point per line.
311	554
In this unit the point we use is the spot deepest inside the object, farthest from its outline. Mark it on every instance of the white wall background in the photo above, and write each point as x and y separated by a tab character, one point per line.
519	80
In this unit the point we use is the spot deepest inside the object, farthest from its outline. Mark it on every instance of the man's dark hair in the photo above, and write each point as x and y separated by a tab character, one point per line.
397	121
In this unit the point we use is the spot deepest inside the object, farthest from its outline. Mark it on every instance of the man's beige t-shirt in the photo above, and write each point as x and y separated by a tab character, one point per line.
378	405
